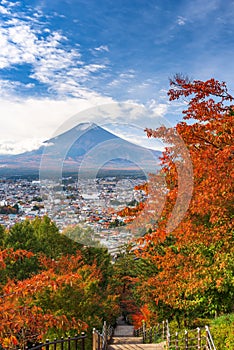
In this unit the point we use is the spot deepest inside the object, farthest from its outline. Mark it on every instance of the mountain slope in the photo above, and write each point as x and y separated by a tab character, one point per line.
84	146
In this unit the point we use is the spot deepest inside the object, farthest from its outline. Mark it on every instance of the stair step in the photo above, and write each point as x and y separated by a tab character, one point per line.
123	339
136	346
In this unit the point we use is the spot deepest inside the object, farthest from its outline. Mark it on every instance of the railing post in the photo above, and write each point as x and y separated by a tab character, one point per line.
168	340
163	329
167	328
76	341
144	331
104	332
186	339
47	344
83	341
150	335
68	343
176	341
198	338
94	339
167	336
155	333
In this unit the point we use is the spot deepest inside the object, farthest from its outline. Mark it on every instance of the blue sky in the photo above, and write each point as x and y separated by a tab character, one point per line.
58	58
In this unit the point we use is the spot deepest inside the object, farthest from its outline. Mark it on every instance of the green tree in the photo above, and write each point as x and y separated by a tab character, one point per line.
52	243
84	236
2	236
22	236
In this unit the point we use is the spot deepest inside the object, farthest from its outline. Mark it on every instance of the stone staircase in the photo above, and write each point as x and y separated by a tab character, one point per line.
123	339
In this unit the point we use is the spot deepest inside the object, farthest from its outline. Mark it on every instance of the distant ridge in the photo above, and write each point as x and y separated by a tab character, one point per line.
85	145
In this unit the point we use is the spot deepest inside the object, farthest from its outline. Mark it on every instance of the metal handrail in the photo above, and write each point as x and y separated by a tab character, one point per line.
150	335
102	339
138	332
76	339
209	339
187	339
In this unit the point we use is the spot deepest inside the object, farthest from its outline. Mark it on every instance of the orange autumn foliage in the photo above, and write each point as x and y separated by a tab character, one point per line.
9	253
142	187
24	318
143	315
130	213
195	258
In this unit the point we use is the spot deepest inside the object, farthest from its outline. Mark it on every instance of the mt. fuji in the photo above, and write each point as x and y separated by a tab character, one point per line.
85	146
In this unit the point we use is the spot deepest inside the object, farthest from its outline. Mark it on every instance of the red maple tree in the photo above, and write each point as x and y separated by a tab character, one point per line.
194	255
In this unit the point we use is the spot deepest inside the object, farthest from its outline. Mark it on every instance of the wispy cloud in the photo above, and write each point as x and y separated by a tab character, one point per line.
199	9
102	48
134	134
123	78
158	108
51	60
181	20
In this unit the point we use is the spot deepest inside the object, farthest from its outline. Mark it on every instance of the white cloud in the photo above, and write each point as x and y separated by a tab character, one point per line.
102	48
123	78
17	147
26	124
17	45
181	20
134	134
56	14
128	75
159	109
7	87
52	61
10	3
4	10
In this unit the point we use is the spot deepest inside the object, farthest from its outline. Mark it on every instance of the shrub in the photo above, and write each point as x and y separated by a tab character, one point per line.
222	330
